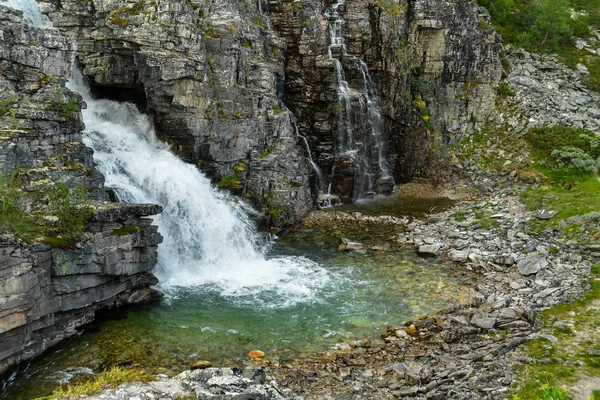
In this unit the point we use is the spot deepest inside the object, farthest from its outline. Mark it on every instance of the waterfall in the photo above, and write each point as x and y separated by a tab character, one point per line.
31	11
313	164
208	237
364	143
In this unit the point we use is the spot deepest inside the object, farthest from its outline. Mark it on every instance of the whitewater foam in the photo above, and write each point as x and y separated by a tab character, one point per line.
208	237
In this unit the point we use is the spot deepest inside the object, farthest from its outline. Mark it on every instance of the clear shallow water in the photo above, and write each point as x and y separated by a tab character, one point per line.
366	293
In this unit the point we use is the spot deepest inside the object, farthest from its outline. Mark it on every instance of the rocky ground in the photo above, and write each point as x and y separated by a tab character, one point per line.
463	352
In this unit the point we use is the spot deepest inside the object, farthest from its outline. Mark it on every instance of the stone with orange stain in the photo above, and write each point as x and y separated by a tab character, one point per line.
256	354
412	329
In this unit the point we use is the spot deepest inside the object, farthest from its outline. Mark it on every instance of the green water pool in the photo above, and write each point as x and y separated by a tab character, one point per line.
362	294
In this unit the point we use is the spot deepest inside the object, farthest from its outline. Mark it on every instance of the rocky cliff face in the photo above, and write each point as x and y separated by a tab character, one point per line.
435	65
217	77
209	74
47	291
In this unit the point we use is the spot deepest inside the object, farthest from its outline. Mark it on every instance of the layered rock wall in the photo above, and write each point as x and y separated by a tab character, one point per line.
217	77
50	286
436	64
209	74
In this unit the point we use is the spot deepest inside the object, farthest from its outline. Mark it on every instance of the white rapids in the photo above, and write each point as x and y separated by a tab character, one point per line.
208	237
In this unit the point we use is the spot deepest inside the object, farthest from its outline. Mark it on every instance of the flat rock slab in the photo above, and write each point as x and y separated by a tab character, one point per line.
430	250
532	264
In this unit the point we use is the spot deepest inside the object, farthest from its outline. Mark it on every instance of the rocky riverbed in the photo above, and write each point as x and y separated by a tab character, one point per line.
465	351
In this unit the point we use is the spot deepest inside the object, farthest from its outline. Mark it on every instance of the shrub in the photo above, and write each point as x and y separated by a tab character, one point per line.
68	205
504	90
12	218
62	108
573	157
547	139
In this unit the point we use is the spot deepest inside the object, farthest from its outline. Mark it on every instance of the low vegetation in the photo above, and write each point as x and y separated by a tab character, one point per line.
550	26
12	217
70	208
568	353
65	109
89	385
231	181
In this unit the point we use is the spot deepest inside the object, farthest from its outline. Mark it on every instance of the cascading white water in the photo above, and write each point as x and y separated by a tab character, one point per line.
313	164
374	116
208	239
371	162
31	11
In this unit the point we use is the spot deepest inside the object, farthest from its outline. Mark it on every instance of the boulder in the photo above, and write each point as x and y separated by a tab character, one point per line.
430	250
347	245
461	256
532	264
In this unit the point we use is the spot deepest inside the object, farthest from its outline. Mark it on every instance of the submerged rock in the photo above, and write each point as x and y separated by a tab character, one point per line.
347	245
256	354
201	364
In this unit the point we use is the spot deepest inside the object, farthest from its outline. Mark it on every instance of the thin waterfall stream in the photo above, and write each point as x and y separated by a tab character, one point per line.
363	144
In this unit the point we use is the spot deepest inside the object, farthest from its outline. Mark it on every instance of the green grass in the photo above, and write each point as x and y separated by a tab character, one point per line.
231	181
535	378
105	380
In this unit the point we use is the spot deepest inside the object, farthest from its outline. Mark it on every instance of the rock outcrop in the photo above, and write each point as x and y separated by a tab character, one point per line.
435	64
49	286
205	384
209	74
548	92
217	79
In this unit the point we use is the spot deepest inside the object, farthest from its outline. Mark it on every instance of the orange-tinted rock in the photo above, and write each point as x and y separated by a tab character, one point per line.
201	364
411	329
254	354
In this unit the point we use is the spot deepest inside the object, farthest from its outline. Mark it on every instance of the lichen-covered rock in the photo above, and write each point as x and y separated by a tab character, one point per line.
204	384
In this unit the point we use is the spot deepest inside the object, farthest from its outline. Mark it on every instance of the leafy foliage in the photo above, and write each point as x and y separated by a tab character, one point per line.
544	25
12	218
68	205
549	138
573	157
62	108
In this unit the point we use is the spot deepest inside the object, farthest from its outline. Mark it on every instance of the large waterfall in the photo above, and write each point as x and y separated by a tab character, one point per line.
208	238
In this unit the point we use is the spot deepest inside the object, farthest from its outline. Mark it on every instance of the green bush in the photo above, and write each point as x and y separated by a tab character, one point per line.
547	139
573	157
68	205
12	218
538	25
